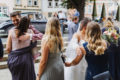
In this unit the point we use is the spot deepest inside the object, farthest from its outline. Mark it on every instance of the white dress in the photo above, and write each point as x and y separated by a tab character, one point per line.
74	72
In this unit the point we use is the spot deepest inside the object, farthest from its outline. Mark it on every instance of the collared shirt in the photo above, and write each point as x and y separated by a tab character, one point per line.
72	28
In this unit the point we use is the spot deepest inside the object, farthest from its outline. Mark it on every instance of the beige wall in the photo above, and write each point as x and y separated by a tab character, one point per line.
25	8
46	14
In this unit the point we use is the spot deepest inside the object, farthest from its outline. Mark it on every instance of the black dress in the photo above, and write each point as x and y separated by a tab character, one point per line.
96	63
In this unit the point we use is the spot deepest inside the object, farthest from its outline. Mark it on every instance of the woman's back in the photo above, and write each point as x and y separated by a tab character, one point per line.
16	43
96	63
54	69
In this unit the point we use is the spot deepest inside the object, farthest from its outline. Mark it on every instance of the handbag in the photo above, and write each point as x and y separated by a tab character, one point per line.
102	76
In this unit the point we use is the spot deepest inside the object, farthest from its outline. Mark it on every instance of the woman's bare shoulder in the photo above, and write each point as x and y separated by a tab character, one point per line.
75	35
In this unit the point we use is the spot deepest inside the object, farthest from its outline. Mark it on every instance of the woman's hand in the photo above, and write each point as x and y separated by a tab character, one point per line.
67	64
38	78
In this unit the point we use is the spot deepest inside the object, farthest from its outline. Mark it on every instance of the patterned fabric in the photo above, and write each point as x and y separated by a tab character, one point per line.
37	35
74	72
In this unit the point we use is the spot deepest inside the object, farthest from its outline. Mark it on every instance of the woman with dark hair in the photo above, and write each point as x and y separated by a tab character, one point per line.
20	62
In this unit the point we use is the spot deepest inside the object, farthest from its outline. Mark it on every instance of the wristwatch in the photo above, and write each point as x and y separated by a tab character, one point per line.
38	75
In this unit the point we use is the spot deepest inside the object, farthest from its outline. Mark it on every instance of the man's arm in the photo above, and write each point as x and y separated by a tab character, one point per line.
37	35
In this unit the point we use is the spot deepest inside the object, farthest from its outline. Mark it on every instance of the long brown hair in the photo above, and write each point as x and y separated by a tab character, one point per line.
23	26
94	38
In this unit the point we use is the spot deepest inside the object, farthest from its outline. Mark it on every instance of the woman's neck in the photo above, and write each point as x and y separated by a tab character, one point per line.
82	35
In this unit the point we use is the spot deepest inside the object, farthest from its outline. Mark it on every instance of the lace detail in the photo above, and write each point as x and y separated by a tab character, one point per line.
71	50
76	72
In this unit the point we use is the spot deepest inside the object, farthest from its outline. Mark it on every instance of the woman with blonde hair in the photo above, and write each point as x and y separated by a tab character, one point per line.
95	52
51	66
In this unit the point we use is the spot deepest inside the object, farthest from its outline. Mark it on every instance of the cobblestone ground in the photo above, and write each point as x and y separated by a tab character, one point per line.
5	73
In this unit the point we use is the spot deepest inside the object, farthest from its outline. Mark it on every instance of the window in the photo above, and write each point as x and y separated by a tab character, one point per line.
5	9
0	9
29	2
99	9
18	2
50	4
89	9
56	4
35	2
50	14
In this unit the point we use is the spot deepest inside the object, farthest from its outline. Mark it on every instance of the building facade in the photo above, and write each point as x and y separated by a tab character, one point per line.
27	5
110	6
49	7
4	9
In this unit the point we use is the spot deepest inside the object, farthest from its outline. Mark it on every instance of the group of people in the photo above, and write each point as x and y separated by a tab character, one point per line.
96	58
86	56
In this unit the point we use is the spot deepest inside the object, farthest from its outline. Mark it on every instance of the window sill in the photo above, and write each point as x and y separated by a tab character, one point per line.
33	6
18	5
56	6
50	7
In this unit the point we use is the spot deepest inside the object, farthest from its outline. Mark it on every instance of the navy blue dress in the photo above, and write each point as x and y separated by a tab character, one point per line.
96	63
114	61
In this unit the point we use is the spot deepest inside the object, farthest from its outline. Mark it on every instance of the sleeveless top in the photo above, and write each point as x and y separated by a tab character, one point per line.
16	43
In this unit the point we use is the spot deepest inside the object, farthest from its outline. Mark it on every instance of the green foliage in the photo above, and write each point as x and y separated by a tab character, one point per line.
67	3
118	14
103	13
